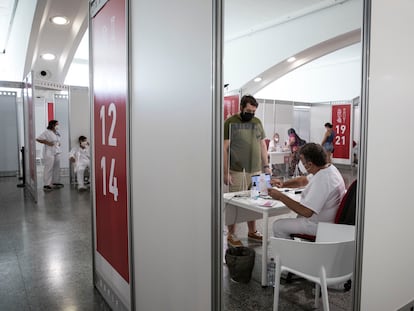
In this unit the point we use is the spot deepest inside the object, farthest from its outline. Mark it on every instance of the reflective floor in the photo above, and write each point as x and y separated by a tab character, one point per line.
46	258
45	250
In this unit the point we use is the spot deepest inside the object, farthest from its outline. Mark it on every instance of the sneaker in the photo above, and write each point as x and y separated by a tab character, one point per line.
234	241
57	185
255	236
82	189
47	188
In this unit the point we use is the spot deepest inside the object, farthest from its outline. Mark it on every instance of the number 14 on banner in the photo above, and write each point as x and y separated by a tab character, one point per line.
113	185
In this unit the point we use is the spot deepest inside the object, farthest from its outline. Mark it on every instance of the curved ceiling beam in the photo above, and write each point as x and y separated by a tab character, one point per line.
302	58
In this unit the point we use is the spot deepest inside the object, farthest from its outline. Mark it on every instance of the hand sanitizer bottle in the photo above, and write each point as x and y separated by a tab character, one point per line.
254	193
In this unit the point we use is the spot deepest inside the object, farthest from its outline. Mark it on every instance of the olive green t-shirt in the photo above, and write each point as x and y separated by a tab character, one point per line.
245	143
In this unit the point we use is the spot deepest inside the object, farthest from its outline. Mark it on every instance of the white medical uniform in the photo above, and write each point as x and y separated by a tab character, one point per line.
51	158
82	161
322	195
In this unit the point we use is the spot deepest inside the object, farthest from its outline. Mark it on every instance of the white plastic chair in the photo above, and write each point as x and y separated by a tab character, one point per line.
327	261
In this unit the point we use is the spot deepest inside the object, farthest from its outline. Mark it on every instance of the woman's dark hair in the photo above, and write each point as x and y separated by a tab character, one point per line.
292	131
248	99
327	124
52	124
314	153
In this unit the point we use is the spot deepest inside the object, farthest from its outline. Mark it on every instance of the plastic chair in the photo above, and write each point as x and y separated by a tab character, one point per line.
344	215
327	261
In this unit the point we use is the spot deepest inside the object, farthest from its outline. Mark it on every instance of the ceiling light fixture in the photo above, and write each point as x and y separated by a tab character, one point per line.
291	59
258	79
48	56
59	20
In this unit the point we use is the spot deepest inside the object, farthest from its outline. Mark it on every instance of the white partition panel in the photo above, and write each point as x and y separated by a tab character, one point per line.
171	155
61	104
388	256
9	154
320	114
79	114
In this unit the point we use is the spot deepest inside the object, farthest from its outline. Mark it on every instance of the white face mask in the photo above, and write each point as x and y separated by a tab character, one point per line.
84	143
56	127
302	167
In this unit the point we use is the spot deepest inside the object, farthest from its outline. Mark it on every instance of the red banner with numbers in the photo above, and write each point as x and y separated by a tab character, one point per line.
341	121
110	135
231	105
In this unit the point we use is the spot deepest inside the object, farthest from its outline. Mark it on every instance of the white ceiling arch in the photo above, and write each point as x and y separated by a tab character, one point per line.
261	46
302	58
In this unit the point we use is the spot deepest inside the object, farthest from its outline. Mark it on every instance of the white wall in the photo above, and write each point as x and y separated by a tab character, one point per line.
388	256
79	114
334	77
171	156
292	37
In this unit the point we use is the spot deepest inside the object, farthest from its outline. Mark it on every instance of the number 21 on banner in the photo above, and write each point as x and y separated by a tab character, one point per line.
113	184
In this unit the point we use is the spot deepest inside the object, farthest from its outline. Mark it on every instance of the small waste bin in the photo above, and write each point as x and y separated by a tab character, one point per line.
240	261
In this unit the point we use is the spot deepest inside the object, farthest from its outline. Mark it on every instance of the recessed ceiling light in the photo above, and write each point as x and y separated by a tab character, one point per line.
258	79
291	59
48	56
59	20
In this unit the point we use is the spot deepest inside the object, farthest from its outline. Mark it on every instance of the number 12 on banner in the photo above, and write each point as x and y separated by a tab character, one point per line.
113	185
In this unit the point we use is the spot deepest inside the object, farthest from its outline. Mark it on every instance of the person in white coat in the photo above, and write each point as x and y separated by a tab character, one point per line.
50	139
80	156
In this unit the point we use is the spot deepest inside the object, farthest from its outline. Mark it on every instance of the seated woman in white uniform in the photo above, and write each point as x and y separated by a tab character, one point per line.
80	156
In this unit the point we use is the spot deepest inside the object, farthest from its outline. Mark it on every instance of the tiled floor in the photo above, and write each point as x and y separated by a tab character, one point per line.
46	258
45	251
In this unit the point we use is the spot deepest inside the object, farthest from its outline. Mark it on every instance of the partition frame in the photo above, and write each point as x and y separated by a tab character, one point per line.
116	286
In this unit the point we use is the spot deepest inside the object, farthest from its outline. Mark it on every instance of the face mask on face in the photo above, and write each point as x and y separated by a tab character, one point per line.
84	143
302	167
246	116
56	127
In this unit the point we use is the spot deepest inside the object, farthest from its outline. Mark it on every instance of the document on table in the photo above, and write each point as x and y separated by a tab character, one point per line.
264	202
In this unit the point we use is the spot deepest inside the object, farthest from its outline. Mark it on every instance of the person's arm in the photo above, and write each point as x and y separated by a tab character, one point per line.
265	158
300	181
72	155
325	137
226	147
44	141
290	203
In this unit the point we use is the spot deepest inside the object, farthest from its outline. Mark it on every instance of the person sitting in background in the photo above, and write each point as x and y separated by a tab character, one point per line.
320	199
80	156
274	144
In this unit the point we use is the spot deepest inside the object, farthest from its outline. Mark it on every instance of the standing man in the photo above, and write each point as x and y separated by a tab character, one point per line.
245	154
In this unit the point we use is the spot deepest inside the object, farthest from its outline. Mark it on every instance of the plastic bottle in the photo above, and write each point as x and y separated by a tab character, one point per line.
271	270
296	173
254	193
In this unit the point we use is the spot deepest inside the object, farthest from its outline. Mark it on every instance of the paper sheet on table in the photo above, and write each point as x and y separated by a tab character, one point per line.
265	203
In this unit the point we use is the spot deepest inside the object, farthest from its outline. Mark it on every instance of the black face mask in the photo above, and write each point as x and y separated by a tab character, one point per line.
246	116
